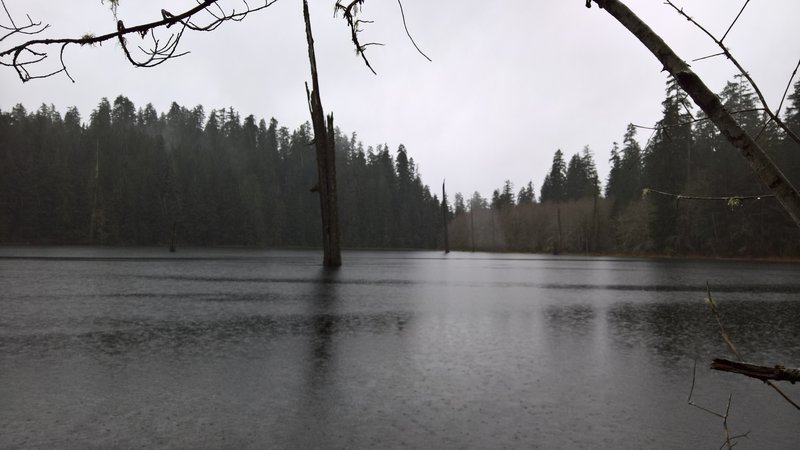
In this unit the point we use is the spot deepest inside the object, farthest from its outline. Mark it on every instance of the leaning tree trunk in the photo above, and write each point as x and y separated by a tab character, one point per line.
755	156
326	159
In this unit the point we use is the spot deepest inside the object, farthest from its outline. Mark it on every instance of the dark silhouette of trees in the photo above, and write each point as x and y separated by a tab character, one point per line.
581	177
129	175
757	159
684	153
554	184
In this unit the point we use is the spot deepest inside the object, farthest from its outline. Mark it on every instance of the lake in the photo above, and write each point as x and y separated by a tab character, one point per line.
232	348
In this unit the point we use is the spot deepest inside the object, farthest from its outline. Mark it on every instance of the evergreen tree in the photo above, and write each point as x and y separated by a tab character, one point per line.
460	207
526	195
581	178
666	165
614	173
625	178
553	187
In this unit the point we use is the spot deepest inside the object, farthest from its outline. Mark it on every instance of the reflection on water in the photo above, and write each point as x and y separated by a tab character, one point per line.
236	348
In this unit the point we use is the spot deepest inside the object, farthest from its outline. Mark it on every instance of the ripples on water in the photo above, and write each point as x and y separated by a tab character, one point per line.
235	348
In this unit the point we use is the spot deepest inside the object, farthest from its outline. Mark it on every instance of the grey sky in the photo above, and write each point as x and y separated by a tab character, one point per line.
510	82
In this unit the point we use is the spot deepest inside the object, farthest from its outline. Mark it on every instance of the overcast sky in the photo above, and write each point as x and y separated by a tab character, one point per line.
511	81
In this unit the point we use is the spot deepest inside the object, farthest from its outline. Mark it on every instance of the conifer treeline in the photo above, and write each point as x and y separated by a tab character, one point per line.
684	155
128	175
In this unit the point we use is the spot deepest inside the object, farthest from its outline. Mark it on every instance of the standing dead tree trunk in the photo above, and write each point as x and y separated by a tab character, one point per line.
444	220
755	156
326	159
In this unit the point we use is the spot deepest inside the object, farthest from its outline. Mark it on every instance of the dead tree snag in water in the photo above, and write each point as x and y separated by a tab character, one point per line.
444	219
326	159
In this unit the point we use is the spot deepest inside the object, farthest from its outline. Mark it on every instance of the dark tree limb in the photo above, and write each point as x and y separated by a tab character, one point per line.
763	373
24	55
350	11
326	159
755	156
724	334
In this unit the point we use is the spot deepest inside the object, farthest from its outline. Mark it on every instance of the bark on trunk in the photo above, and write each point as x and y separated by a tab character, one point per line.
326	159
755	156
763	373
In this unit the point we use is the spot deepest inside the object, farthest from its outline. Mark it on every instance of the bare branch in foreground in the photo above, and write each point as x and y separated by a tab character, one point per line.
756	157
349	13
729	440
763	373
403	14
773	117
728	341
30	28
25	55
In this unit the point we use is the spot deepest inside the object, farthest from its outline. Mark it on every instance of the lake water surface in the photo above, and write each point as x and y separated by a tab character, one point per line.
120	348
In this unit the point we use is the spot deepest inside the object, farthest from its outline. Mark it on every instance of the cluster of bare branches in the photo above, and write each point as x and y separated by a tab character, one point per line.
762	373
207	15
785	375
730	441
350	12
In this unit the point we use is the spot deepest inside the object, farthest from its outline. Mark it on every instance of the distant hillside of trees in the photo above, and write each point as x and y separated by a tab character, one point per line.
685	155
128	175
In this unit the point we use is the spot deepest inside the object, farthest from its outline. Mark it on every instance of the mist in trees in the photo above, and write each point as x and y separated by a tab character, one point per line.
685	155
129	175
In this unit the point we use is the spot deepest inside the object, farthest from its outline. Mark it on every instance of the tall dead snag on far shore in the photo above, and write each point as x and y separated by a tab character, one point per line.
444	219
326	159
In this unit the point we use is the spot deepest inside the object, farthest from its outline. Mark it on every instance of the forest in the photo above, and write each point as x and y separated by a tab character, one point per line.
128	176
649	204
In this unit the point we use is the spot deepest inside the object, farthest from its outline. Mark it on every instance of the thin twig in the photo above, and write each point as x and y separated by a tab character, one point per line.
729	440
788	85
722	330
155	56
399	2
699	119
785	397
734	20
707	57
